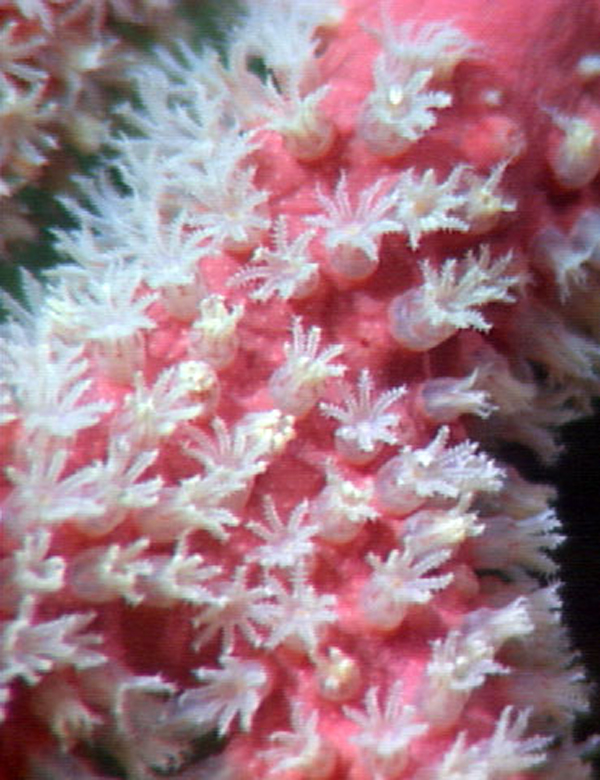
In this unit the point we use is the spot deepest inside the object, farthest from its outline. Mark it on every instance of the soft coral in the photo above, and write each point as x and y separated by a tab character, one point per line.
356	631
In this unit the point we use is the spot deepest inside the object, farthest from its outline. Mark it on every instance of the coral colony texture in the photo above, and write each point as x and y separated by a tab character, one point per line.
252	522
57	60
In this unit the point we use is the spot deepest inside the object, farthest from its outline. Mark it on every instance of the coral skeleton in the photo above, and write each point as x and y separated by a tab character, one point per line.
252	521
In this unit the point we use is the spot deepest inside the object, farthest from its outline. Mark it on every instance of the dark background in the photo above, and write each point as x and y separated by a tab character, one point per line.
577	479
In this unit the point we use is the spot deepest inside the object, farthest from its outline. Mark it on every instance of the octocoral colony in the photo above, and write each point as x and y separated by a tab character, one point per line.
249	526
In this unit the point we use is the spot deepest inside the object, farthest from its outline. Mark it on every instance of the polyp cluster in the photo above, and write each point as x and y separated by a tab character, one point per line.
252	527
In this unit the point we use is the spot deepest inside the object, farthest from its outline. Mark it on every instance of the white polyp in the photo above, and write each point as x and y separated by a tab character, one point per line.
85	580
57	703
310	137
365	422
285	270
341	509
411	324
302	752
386	732
214	333
237	500
202	385
585	236
120	358
103	523
348	448
181	300
575	160
101	574
437	399
338	676
397	584
352	263
28	570
485	204
290	393
380	608
445	399
338	528
484	214
316	764
322	764
434	474
399	110
335	526
395	493
383	140
436	529
296	385
242	238
306	288
176	577
441	704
